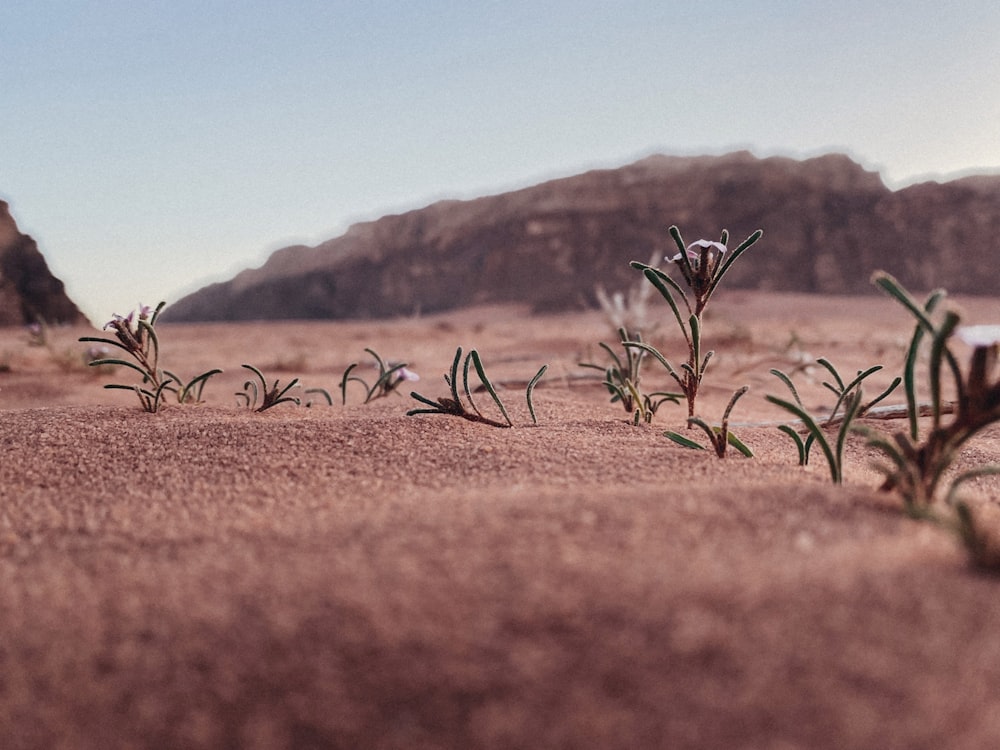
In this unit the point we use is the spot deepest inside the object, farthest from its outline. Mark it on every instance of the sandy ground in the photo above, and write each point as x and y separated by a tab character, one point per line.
349	577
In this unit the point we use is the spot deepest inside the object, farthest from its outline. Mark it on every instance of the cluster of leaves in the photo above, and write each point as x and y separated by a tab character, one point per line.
454	404
918	465
263	398
702	264
849	395
390	377
719	436
135	334
622	378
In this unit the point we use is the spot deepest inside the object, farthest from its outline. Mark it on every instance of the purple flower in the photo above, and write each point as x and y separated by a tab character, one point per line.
405	374
117	321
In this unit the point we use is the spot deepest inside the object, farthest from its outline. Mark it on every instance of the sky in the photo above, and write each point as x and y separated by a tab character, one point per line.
151	148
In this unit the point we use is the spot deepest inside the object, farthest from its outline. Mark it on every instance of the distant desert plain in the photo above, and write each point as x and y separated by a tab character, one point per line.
352	577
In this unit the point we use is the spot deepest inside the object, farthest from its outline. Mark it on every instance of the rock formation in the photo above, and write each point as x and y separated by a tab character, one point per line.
29	292
827	222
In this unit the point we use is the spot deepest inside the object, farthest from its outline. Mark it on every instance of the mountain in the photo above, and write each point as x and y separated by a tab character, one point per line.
828	223
29	292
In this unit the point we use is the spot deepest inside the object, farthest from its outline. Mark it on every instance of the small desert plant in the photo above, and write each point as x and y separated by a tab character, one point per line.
622	378
834	453
136	336
190	392
844	392
454	405
702	264
268	397
917	467
390	377
720	437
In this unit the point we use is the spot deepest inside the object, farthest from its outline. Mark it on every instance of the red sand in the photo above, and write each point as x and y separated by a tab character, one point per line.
351	577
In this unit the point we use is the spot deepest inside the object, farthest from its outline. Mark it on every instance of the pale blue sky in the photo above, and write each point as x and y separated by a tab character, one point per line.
150	147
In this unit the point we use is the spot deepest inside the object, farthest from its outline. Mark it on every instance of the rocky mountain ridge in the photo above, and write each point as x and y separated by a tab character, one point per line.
828	223
29	293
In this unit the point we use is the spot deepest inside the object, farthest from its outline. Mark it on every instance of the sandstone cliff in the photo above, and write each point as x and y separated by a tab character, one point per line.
827	222
29	292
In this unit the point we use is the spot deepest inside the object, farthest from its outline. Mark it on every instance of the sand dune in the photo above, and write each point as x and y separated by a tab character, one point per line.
351	577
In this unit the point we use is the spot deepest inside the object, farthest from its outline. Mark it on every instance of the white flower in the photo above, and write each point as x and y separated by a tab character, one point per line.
980	336
715	249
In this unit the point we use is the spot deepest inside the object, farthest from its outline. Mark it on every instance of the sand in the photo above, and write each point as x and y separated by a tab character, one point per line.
350	577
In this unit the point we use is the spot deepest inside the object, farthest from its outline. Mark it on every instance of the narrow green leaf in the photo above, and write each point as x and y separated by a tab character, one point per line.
345	380
453	381
728	263
938	348
896	290
892	386
259	374
378	360
739	445
659	357
788	382
425	400
681	440
412	412
799	444
833	371
695	325
156	312
815	430
732	402
851	407
684	261
481	372
153	340
97	340
120	362
713	436
530	390
465	382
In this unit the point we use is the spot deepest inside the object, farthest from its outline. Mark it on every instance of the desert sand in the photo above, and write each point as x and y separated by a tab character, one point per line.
350	577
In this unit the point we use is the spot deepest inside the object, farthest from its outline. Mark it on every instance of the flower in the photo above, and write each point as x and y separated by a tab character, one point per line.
117	321
405	374
95	353
980	336
713	251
